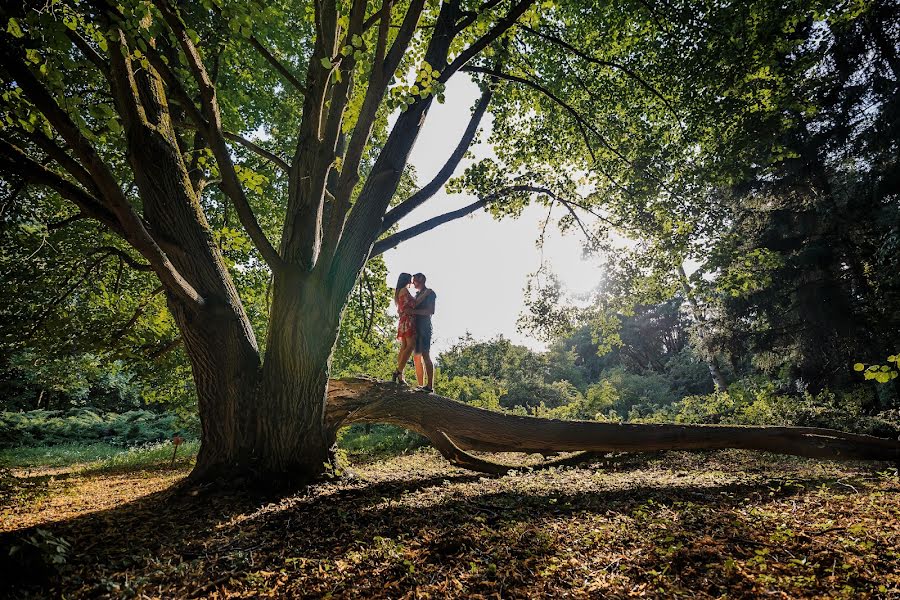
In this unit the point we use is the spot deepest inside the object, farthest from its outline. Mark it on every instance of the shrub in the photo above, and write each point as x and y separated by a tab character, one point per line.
376	440
747	404
87	425
536	396
471	390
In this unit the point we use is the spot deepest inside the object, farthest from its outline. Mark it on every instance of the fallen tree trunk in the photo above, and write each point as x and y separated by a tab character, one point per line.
455	429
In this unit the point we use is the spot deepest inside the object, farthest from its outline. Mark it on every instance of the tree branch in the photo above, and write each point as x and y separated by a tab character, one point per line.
129	224
467	428
67	221
165	348
379	78
14	160
269	156
231	185
124	257
277	65
48	309
483	42
433	186
606	63
469	17
363	225
88	51
401	41
567	107
392	241
132	321
69	164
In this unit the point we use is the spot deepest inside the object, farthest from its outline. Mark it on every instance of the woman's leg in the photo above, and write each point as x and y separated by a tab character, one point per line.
409	344
400	360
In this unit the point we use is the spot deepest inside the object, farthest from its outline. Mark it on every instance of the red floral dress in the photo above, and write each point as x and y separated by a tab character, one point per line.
407	325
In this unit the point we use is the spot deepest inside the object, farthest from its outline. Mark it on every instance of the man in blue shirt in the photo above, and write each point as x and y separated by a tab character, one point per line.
423	312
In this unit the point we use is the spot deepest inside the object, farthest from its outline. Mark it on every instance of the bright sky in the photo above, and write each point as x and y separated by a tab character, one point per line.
478	266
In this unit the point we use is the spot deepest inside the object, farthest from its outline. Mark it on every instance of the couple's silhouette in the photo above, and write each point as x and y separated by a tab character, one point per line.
414	329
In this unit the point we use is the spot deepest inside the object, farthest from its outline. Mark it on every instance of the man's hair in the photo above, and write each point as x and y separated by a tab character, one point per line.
419	276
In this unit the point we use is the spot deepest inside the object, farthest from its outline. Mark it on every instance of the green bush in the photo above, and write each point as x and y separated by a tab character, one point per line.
471	390
377	440
537	396
748	404
87	425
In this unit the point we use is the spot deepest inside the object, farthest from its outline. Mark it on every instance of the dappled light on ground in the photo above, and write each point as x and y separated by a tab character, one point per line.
704	524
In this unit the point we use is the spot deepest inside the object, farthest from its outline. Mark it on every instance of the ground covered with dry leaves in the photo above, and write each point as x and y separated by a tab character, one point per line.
725	524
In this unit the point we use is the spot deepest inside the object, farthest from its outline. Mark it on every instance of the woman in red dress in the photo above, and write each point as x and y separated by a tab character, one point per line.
406	328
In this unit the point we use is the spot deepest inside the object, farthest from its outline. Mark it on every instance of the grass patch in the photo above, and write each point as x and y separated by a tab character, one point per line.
150	456
378	441
63	455
96	457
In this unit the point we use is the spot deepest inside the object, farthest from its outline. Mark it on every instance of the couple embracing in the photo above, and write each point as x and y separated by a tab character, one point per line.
414	328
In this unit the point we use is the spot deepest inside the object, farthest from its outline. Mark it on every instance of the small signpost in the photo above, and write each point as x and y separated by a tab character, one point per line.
176	441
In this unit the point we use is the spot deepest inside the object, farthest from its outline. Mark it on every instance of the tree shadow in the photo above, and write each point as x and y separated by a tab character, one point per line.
216	535
25	489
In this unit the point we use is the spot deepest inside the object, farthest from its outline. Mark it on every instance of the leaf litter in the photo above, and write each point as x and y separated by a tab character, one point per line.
703	525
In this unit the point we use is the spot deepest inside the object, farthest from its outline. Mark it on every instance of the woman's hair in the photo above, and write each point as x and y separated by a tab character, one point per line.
404	280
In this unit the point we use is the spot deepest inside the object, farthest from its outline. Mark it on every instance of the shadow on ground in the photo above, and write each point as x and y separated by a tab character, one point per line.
444	531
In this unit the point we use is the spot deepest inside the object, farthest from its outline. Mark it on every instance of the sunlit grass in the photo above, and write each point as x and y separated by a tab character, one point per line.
359	441
98	456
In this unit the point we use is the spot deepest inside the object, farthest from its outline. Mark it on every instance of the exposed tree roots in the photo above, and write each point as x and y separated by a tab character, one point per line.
456	429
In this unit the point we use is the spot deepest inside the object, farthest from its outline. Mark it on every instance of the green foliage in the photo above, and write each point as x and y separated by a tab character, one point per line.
477	391
52	549
537	396
98	457
755	141
621	390
86	425
880	373
761	404
367	337
378	440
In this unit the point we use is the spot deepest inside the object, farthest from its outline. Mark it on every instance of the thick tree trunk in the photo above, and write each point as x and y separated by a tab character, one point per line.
264	423
218	337
292	443
225	365
454	428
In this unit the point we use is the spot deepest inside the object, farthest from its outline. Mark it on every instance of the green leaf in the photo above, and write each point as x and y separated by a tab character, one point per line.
326	63
14	29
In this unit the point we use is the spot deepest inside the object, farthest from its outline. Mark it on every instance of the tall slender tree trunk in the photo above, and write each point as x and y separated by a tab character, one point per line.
712	362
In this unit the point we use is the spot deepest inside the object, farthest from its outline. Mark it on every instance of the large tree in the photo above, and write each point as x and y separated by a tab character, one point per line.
154	117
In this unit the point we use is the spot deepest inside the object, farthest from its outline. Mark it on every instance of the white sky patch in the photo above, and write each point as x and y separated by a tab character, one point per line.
479	266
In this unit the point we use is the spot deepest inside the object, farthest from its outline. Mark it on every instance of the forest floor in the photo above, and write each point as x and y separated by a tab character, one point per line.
719	524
